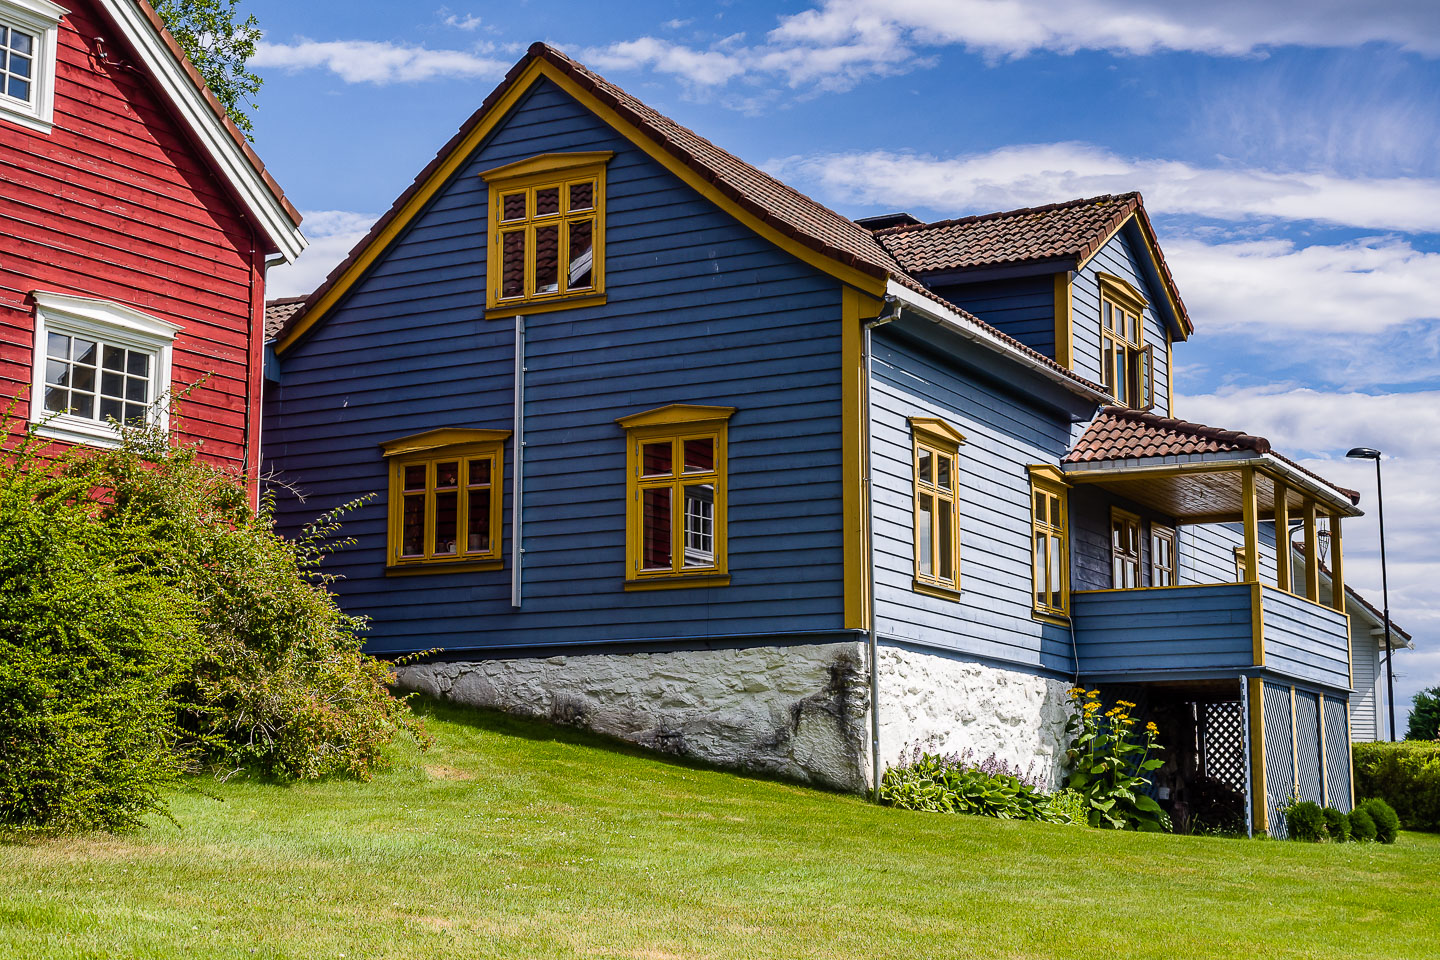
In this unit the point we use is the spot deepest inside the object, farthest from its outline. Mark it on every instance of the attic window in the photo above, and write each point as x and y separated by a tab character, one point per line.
547	233
1127	363
28	31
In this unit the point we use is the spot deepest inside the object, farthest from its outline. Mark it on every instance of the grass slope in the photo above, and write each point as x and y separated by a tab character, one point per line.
512	839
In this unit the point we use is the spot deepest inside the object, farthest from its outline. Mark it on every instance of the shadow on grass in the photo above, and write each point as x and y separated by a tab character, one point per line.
544	731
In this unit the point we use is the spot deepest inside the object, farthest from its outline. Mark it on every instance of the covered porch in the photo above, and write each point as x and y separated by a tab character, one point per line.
1265	652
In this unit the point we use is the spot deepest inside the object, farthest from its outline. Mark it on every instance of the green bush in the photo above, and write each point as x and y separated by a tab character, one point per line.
1425	716
1109	760
150	619
1361	826
956	783
1337	825
1406	776
1387	823
1305	821
95	633
1067	806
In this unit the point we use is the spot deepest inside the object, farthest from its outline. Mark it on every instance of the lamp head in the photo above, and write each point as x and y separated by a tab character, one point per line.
1364	453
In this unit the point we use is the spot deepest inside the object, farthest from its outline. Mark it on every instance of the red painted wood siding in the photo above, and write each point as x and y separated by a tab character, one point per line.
117	203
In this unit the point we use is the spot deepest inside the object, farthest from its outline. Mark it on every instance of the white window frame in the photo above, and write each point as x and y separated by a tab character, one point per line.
110	323
41	18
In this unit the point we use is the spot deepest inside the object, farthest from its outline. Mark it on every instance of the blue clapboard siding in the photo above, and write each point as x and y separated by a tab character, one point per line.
1169	629
699	311
1120	257
1004	434
1207	552
1305	640
1023	307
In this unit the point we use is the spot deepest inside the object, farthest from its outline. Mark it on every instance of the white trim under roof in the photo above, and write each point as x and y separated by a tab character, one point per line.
228	157
979	333
1294	477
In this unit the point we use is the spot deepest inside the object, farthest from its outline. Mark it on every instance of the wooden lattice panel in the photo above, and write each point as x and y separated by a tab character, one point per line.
1222	735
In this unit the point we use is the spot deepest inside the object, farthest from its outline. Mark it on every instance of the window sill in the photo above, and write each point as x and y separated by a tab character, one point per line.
528	307
25	119
936	590
679	582
417	567
75	430
1058	619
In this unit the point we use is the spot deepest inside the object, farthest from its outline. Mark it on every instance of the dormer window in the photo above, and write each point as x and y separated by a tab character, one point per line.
1127	363
547	233
28	31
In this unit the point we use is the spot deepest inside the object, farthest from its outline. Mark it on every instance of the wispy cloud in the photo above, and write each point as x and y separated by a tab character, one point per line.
369	61
1042	173
700	67
332	235
458	21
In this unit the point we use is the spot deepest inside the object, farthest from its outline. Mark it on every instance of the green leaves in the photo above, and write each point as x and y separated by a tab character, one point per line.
1107	762
220	46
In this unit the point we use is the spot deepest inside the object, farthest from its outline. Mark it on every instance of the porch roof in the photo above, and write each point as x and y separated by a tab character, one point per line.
1191	471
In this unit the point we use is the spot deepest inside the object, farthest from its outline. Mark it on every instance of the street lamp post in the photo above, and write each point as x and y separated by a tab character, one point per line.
1366	453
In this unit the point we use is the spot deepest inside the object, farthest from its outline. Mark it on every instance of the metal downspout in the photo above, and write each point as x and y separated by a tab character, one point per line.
517	472
889	312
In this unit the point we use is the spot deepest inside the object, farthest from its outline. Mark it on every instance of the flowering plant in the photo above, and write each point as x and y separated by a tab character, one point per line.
1108	759
961	783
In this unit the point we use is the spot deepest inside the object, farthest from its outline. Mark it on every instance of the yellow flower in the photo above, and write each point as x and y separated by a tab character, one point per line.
1113	712
1126	703
1093	693
1151	728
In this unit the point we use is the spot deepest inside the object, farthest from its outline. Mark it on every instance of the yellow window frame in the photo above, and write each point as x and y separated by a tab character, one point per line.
939	439
1048	482
528	177
1130	529
1159	532
676	423
430	449
1122	309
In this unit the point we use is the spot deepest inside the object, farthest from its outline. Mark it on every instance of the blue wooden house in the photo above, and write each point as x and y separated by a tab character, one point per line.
663	447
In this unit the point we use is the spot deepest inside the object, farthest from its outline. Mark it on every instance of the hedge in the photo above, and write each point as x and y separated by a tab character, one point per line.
1405	775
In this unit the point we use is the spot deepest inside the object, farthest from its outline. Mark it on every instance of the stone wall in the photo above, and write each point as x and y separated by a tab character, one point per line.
949	704
799	711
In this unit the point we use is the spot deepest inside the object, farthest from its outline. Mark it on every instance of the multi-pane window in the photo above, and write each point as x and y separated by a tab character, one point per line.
1164	566
676	491
1124	550
1127	364
1239	564
93	380
547	229
445	500
1050	547
937	515
17	63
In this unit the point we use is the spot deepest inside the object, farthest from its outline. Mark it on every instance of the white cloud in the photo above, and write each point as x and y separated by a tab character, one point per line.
700	67
1042	173
332	235
1275	289
368	61
466	22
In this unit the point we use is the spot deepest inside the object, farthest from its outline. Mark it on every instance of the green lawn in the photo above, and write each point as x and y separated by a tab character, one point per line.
511	839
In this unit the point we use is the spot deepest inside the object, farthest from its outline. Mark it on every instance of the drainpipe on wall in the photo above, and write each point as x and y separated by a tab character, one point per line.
517	472
890	311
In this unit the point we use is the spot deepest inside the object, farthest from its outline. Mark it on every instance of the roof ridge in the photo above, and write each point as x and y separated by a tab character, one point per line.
1004	214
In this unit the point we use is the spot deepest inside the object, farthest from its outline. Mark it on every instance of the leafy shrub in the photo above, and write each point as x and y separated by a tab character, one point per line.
1362	827
956	783
94	636
1068	806
1304	821
1387	824
1337	825
1425	716
1108	761
1406	776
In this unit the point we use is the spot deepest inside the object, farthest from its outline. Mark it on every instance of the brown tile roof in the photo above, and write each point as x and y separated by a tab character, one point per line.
278	311
777	204
1119	433
215	107
1060	232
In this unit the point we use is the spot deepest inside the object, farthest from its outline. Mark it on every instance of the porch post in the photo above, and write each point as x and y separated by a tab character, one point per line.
1337	565
1282	535
1252	531
1312	554
1259	809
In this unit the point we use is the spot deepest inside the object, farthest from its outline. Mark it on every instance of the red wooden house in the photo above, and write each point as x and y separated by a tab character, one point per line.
135	227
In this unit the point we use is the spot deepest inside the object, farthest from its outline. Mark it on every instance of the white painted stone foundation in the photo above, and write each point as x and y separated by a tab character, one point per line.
796	711
948	704
800	712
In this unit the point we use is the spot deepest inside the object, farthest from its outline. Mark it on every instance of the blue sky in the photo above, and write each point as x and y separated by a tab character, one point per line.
1285	148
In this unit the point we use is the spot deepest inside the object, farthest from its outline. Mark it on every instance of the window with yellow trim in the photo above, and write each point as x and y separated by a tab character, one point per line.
445	501
1164	558
1124	550
1127	363
675	496
1050	547
937	514
547	229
